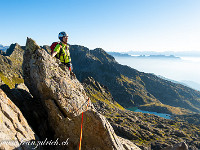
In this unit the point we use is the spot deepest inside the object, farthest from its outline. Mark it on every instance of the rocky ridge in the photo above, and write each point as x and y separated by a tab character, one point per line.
105	104
62	95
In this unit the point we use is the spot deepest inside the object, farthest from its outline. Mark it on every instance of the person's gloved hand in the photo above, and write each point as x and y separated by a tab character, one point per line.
69	65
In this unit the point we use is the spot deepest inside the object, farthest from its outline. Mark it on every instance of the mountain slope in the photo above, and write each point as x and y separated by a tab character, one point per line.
128	86
145	130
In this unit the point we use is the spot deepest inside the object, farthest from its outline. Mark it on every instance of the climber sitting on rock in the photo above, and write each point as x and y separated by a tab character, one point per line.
61	50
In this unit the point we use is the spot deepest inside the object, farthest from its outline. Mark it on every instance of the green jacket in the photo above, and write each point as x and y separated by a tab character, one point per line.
63	53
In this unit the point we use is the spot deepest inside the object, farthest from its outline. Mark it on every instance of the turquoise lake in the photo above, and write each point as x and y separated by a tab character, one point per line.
135	109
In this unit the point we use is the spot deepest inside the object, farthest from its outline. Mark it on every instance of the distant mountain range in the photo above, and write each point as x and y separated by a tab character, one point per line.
3	48
154	56
119	54
179	54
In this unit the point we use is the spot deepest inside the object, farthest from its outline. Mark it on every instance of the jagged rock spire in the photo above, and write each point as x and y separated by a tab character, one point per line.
64	98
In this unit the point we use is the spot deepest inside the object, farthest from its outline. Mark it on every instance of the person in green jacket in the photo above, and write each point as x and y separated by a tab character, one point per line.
61	50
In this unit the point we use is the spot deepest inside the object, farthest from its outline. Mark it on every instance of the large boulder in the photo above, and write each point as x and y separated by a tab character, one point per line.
15	132
65	99
31	108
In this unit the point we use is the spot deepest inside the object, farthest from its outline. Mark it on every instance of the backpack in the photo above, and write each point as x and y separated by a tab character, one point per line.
53	45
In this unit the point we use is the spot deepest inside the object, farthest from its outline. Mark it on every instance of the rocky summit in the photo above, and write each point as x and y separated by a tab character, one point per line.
65	99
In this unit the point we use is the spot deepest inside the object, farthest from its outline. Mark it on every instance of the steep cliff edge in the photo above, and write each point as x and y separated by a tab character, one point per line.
64	97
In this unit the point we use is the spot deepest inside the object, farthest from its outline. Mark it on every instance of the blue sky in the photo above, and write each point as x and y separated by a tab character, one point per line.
114	25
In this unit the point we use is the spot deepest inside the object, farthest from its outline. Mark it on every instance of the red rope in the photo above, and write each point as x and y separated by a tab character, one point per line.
81	132
82	126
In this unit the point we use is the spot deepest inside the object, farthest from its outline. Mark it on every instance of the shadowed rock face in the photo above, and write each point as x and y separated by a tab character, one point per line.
13	126
62	95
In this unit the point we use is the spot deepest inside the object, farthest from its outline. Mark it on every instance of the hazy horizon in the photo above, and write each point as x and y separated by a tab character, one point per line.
180	70
157	52
177	53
